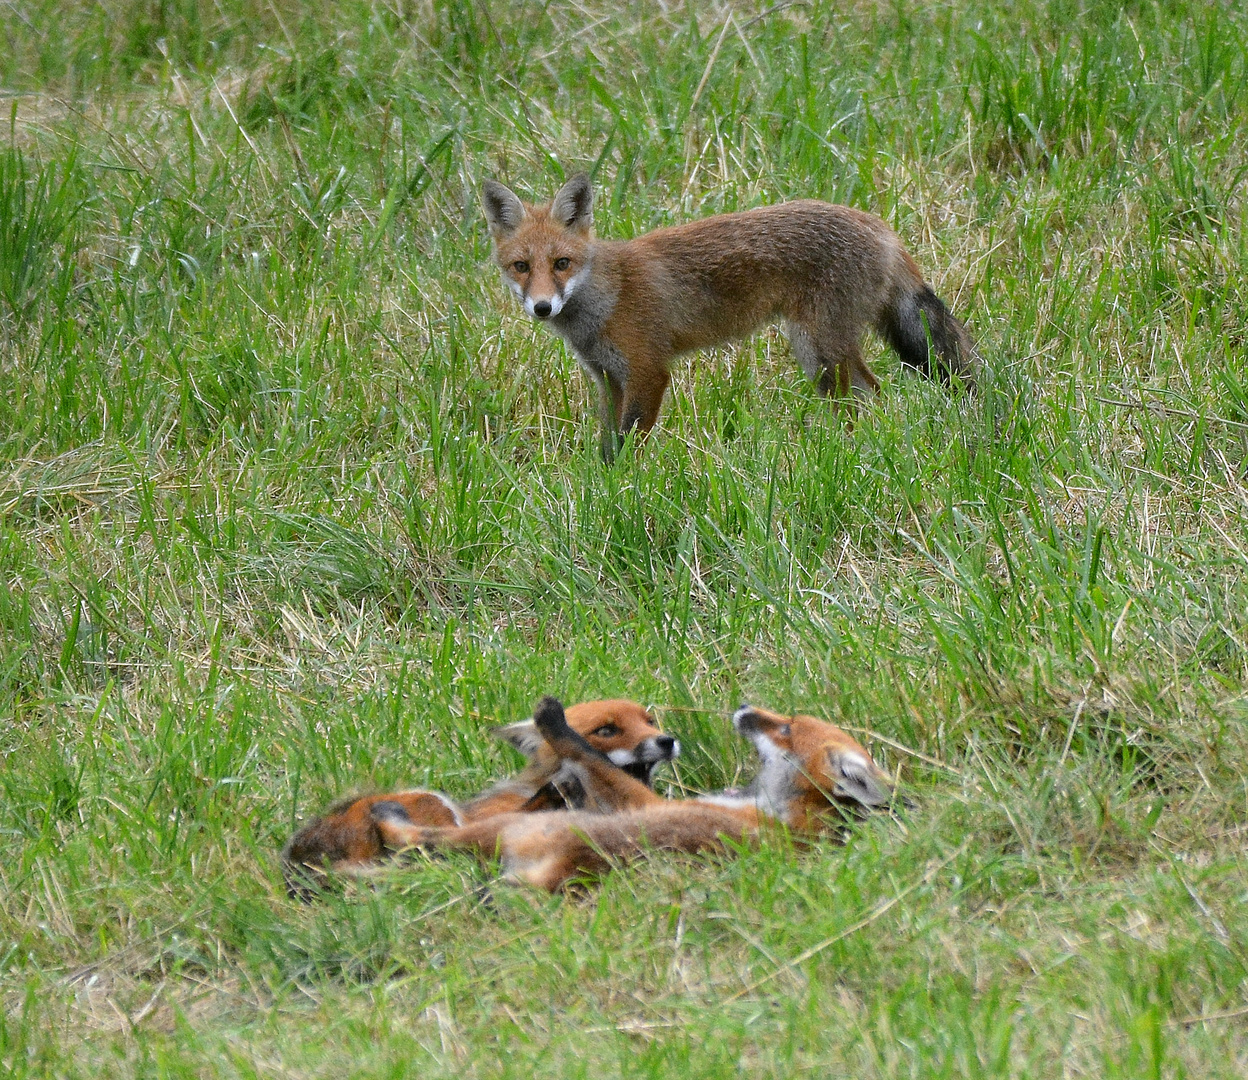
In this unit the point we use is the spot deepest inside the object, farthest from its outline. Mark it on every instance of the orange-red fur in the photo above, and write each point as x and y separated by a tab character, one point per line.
347	838
628	307
810	770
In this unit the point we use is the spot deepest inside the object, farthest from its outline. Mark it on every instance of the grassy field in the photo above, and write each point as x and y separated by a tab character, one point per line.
294	501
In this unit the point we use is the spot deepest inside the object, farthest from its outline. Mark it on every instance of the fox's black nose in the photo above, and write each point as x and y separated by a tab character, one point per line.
542	309
666	744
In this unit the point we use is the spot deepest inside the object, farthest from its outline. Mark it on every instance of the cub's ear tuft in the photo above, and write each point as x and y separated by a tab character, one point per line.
503	210
574	204
857	779
523	736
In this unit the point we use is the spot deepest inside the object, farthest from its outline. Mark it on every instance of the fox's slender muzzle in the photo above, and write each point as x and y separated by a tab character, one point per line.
667	747
545	308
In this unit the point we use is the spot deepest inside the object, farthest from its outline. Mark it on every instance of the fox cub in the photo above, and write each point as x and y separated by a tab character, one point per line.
347	839
627	307
813	774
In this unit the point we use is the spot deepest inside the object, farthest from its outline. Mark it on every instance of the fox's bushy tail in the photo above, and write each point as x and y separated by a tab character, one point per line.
918	324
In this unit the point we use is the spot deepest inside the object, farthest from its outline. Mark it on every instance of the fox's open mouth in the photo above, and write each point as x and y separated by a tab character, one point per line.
649	754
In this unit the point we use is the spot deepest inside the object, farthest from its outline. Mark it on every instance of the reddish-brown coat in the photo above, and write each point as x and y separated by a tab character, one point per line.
549	850
347	839
627	307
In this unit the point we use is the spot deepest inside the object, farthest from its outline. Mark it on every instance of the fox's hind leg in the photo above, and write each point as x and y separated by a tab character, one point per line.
398	832
845	372
803	346
833	360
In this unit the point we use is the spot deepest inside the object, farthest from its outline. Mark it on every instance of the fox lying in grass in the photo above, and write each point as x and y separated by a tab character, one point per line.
626	308
348	839
812	775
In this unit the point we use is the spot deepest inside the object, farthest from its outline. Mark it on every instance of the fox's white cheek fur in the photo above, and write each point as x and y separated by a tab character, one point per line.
516	287
621	757
574	282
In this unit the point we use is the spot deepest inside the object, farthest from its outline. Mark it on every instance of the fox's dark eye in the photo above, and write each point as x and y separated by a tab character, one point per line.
520	266
562	264
607	731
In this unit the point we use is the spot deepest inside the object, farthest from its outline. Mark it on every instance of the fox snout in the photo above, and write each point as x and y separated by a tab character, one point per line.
665	747
545	307
541	299
648	752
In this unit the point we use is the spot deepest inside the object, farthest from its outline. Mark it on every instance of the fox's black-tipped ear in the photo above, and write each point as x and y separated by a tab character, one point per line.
549	718
857	779
574	204
503	211
750	722
523	736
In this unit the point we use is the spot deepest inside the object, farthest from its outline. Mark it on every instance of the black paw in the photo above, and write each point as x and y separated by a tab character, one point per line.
549	718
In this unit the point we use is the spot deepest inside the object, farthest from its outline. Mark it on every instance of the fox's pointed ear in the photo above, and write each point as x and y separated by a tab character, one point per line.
574	204
857	778
523	736
503	211
751	722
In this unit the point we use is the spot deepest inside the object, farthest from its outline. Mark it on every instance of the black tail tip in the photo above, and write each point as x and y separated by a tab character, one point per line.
548	715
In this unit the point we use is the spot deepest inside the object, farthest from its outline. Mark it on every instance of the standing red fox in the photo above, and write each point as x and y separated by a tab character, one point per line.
812	774
627	307
347	839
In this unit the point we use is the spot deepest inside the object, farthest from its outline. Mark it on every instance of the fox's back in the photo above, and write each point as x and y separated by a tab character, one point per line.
722	275
806	234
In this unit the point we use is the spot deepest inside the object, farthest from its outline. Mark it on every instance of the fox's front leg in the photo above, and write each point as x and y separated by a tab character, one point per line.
643	397
610	402
610	396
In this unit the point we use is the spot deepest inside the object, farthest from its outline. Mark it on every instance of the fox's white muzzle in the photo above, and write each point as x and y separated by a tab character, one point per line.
543	309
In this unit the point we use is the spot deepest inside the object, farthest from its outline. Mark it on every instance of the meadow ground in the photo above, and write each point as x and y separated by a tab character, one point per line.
294	501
